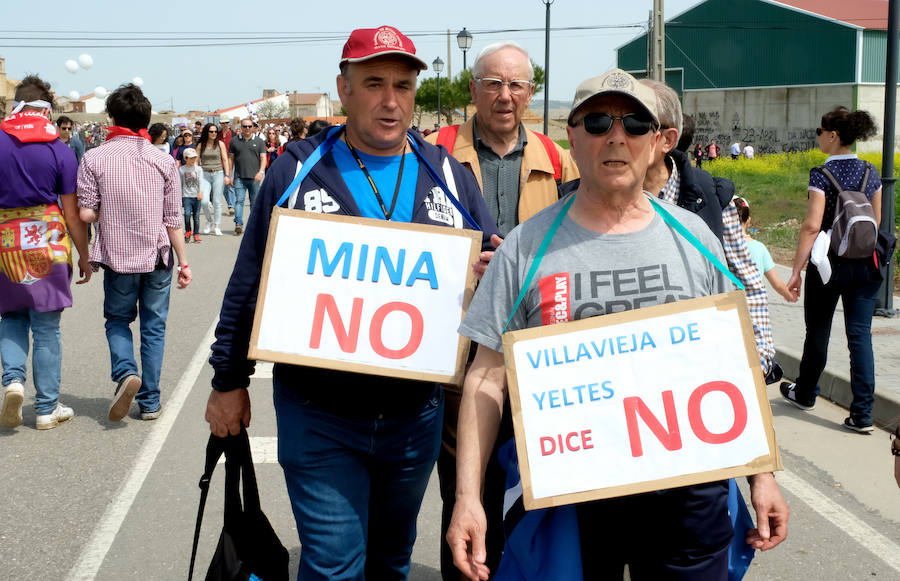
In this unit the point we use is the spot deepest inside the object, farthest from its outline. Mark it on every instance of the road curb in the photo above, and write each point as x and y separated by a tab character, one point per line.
835	386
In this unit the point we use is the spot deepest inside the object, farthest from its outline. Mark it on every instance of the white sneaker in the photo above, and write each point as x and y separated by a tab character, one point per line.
207	228
152	415
11	404
60	414
217	231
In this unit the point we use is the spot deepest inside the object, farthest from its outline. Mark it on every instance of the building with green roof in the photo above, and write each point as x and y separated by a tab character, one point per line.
764	71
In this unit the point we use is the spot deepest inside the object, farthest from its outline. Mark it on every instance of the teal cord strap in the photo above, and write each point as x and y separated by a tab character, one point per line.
666	216
686	234
545	243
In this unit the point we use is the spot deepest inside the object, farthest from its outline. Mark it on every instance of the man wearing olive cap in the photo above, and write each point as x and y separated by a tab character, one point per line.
609	227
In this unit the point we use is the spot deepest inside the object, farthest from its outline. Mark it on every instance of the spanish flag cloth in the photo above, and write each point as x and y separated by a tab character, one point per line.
35	259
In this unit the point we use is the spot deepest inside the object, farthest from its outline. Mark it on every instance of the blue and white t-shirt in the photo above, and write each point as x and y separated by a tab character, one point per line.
383	170
848	170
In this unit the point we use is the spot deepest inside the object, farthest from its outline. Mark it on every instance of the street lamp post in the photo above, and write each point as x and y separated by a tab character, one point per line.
438	65
464	40
547	3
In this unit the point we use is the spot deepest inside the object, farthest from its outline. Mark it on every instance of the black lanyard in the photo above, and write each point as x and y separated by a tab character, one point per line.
387	213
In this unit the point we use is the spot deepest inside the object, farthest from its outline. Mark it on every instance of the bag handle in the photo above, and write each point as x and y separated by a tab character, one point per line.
238	465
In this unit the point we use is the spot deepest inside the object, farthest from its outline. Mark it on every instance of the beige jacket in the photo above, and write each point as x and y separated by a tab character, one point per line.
537	188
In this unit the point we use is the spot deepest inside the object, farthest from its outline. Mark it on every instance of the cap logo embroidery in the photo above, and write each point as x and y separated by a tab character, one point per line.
386	38
618	81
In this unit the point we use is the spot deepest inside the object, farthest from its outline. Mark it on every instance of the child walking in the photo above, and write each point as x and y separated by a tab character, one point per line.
192	188
760	254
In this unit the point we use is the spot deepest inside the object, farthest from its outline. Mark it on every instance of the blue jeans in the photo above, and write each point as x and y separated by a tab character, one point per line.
355	485
191	210
229	195
853	284
212	204
124	294
241	187
46	361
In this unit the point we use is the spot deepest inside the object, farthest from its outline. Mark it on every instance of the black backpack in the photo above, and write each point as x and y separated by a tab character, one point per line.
854	230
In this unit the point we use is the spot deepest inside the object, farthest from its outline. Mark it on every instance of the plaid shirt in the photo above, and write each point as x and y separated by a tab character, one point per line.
737	254
136	190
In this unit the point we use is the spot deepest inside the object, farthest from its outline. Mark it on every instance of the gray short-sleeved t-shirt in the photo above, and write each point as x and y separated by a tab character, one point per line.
585	274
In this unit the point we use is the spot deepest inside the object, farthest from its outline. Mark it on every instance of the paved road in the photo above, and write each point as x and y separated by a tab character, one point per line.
96	500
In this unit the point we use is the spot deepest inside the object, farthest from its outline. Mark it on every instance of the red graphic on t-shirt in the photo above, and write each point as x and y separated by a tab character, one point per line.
555	302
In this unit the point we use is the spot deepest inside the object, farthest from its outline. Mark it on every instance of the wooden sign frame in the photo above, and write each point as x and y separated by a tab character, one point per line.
462	344
735	300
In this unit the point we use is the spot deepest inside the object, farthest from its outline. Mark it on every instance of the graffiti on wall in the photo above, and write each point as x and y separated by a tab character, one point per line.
708	125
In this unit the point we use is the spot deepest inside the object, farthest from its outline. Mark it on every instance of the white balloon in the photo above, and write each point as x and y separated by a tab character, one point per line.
100	92
71	66
138	81
74	95
85	61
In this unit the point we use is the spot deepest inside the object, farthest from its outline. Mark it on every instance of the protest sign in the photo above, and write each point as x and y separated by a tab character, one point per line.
641	400
365	295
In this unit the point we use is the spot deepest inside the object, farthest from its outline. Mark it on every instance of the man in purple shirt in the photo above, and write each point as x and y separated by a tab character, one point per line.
133	191
38	215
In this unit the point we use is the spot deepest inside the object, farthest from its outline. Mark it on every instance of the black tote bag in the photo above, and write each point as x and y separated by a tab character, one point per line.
248	548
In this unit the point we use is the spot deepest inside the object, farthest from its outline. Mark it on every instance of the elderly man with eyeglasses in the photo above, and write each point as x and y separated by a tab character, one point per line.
607	229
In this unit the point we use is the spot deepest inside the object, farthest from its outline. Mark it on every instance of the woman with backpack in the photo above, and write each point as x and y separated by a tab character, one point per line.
853	280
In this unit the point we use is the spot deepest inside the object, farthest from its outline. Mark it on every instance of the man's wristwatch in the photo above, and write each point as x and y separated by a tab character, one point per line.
182	267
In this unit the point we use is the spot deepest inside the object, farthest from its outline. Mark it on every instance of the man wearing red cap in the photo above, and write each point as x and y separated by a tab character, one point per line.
357	450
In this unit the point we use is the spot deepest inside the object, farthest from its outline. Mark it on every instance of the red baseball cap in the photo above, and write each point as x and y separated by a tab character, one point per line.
369	43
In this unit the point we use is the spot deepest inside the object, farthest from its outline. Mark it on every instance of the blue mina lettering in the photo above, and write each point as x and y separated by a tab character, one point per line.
381	262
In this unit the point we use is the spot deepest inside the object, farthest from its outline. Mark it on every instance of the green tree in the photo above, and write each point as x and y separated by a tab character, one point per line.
272	110
538	78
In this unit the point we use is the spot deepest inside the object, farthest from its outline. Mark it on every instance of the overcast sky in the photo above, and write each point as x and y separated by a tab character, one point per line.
211	77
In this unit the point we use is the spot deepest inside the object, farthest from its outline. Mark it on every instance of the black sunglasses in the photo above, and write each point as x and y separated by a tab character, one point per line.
246	127
600	123
819	131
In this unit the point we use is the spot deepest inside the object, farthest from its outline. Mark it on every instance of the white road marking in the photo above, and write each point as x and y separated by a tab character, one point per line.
264	450
108	528
263	370
879	545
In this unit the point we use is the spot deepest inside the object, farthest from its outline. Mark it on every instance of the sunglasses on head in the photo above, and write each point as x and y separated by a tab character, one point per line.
600	123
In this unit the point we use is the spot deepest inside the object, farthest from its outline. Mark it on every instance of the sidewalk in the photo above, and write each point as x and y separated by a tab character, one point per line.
790	331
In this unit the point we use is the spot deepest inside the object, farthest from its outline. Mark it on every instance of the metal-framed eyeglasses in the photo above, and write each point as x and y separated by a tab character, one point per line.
516	87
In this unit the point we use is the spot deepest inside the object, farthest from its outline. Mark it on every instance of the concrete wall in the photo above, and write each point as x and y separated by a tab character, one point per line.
778	119
871	99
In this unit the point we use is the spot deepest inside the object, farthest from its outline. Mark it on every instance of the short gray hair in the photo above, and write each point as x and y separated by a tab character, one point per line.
497	46
668	106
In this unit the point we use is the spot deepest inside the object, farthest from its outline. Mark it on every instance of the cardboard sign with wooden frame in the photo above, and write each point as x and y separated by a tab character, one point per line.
648	358
284	323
